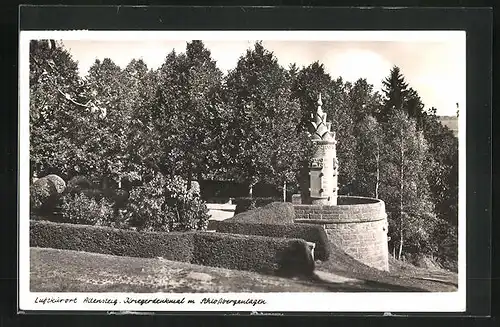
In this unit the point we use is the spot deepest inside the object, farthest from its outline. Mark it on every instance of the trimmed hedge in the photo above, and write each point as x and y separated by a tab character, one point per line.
276	212
105	240
308	232
253	253
233	251
244	204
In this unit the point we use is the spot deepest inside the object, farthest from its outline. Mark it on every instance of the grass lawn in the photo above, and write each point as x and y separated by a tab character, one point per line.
70	271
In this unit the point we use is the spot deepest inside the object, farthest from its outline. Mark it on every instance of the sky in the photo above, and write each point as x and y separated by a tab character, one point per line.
434	68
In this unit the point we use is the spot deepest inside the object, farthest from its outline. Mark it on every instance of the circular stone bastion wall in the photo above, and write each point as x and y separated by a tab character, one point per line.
358	225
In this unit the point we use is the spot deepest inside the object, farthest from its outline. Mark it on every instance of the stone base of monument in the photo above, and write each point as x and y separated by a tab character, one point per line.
331	201
358	225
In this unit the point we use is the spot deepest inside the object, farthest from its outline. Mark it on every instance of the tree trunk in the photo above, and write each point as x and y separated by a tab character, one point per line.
189	175
250	190
284	191
400	241
377	183
401	189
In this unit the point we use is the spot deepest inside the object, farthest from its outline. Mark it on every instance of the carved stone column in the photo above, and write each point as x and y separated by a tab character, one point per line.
323	167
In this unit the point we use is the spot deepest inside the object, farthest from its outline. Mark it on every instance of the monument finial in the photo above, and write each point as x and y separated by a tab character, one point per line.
320	103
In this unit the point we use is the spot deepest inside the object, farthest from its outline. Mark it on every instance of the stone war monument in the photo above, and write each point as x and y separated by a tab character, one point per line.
357	225
323	166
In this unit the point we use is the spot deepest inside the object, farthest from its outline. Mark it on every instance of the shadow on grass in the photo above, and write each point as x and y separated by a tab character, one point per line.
356	286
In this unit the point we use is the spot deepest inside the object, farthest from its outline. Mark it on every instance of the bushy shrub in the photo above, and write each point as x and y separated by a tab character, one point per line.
79	183
81	209
89	188
45	192
40	192
83	185
445	243
185	209
249	203
145	206
166	205
93	193
119	198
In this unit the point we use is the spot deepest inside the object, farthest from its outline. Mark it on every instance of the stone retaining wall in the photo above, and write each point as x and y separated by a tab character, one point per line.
358	225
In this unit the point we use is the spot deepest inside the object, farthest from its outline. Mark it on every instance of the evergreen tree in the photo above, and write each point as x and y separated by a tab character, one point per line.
170	101
414	107
395	95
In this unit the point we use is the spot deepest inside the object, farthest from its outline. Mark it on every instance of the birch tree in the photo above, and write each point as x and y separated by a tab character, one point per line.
369	153
411	214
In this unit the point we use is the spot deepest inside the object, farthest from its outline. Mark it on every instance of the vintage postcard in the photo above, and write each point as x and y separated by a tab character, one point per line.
249	171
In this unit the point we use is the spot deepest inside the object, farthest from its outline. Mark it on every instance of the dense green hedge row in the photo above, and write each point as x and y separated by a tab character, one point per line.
233	251
175	246
275	212
308	232
253	253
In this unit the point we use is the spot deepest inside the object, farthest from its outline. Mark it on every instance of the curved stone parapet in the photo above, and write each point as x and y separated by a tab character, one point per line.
358	225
